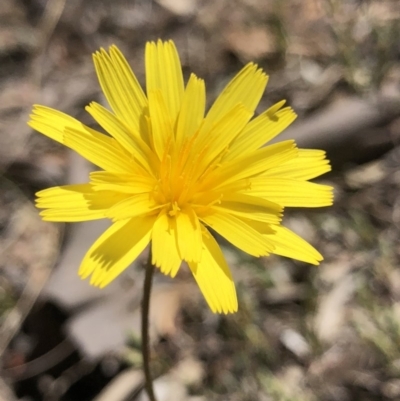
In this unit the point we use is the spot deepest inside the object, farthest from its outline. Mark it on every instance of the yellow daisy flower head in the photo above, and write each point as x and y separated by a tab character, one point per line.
170	172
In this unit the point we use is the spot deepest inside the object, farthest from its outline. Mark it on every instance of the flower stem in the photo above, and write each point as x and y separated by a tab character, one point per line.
145	329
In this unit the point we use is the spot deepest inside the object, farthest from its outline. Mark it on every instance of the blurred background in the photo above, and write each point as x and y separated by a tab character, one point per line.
302	333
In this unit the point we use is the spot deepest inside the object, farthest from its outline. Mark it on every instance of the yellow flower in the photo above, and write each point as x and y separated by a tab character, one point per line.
170	172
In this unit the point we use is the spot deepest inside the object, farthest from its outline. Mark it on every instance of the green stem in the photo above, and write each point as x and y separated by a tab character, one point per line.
145	329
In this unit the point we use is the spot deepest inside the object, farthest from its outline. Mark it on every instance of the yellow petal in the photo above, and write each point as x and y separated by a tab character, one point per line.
124	183
133	206
289	244
252	164
188	234
164	245
131	141
115	250
309	164
216	141
291	193
71	203
246	88
120	87
238	233
192	110
214	278
161	123
250	207
52	122
259	226
99	149
164	73
261	130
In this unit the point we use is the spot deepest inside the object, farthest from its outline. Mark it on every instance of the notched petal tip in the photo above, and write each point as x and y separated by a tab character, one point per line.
94	281
97	55
115	49
225	309
35	109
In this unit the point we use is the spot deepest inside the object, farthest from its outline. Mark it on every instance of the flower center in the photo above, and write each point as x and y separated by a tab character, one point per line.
174	209
182	173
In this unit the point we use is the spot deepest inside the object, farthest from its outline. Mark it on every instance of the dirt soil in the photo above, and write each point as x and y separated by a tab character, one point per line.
302	333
